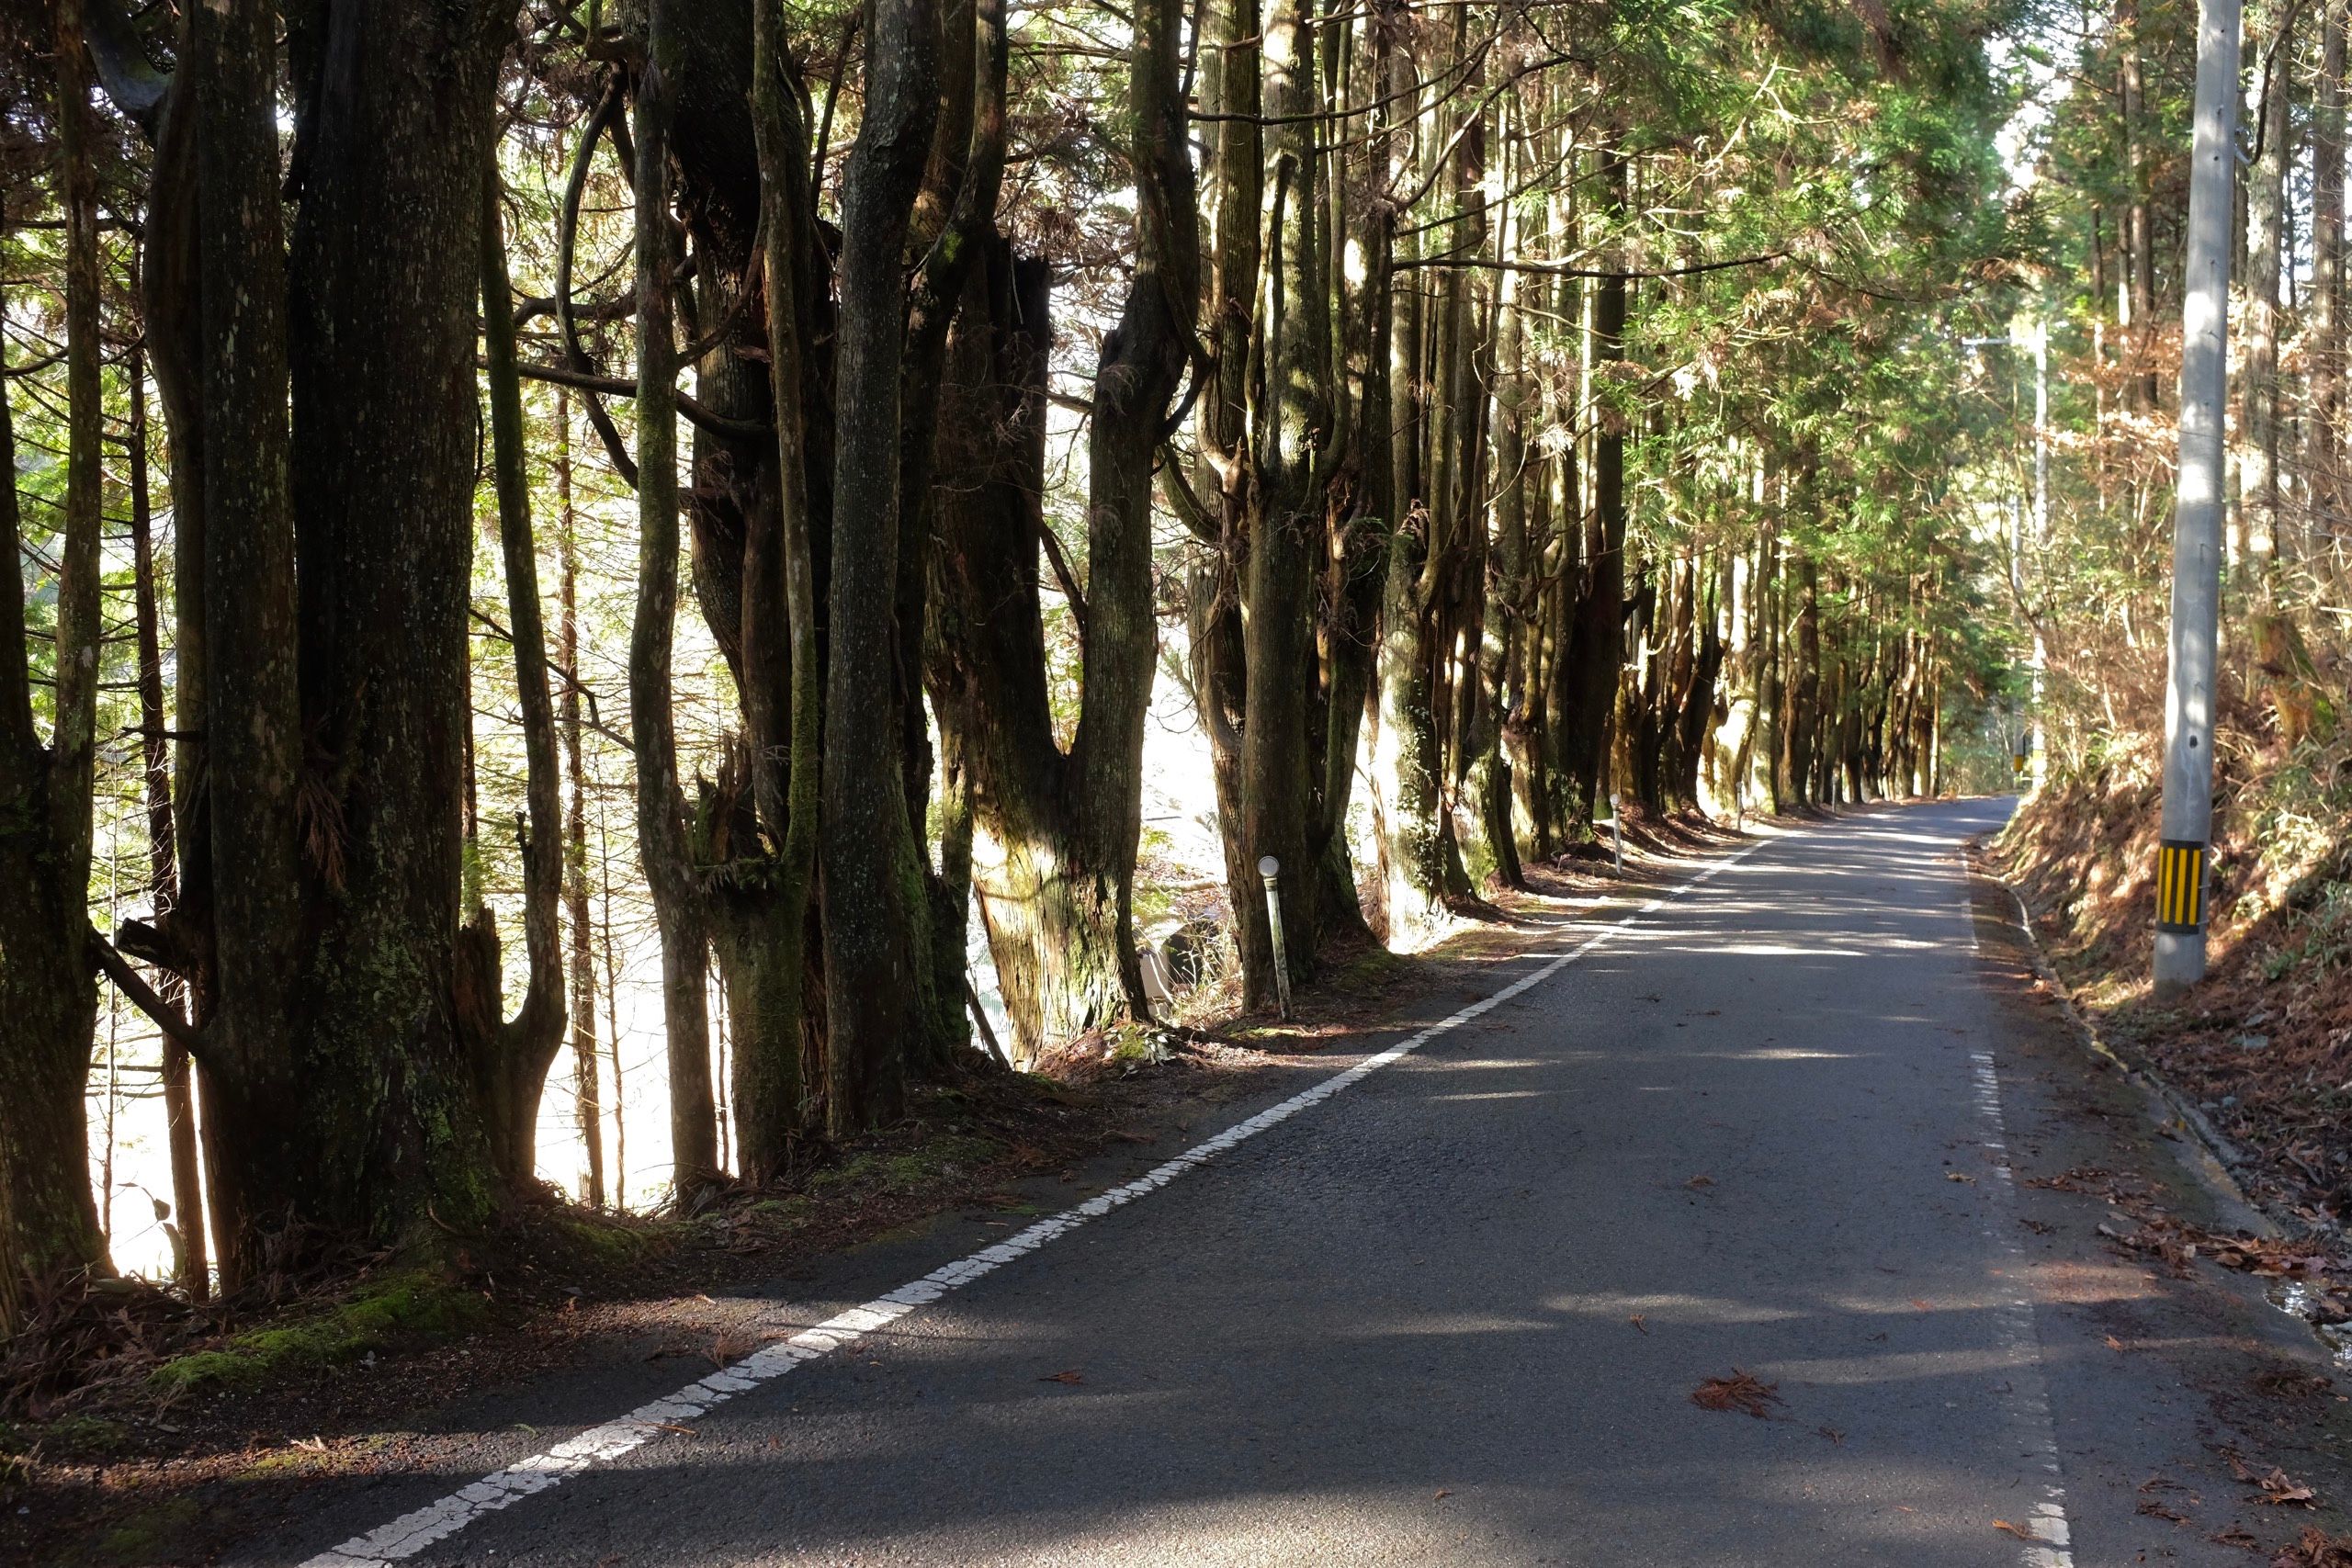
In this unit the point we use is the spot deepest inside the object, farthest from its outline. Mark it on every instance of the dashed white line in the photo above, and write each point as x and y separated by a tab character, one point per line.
412	1533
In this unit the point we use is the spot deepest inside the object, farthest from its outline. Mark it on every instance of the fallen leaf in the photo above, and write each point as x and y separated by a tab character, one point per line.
1444	1491
2277	1488
1072	1378
1636	1321
679	1427
1836	1438
2316	1549
1699	1180
1920	1305
1741	1390
1956	1176
2021	1533
2115	1344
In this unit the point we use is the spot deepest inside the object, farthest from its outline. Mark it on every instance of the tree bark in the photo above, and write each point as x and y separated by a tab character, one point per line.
875	941
2265	228
2324	433
191	1269
48	1222
512	1056
1056	891
1597	643
662	842
588	1098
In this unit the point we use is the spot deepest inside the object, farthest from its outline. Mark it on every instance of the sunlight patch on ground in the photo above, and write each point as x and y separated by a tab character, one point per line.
1668	1307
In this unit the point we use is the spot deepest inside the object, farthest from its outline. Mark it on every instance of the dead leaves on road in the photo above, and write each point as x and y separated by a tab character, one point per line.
2318	1549
2006	1528
1741	1392
2275	1487
1072	1378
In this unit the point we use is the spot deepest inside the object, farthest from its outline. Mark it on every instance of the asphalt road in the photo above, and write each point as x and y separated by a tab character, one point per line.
1456	1313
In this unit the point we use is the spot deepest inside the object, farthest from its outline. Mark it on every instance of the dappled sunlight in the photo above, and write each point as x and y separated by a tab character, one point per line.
1667	1307
2077	1282
1897	1366
1776	1053
1496	1094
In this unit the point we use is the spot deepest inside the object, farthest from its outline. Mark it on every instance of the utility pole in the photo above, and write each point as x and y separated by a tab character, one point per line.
2031	750
2187	823
2040	760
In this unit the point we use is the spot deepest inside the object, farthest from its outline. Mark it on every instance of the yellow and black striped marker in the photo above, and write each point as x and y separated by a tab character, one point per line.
2180	886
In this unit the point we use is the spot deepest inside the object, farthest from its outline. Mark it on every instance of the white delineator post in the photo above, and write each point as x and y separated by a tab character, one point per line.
1272	870
2197	515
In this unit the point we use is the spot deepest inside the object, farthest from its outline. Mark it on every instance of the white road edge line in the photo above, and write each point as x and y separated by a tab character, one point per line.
412	1533
2029	1393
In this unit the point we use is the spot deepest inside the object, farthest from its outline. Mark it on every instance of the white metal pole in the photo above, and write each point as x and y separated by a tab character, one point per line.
1272	868
2187	821
2037	743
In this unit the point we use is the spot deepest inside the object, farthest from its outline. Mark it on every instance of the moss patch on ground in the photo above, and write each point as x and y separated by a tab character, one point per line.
385	1312
943	1157
152	1535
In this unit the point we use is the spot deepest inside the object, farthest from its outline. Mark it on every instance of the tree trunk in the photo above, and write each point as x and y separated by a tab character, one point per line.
1597	645
191	1271
48	1222
662	842
1057	892
2265	220
587	1096
512	1056
2139	224
2324	433
875	948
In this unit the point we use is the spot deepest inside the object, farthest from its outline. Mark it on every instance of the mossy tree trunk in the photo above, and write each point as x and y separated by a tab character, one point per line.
1061	827
877	953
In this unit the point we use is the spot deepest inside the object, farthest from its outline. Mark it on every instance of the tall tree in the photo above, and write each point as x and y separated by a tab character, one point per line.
876	930
1059	901
49	1220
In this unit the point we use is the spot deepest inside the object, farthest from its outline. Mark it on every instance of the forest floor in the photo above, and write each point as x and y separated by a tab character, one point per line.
149	1451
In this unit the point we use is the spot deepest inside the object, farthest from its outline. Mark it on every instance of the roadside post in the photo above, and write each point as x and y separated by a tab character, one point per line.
1272	870
2187	823
1616	831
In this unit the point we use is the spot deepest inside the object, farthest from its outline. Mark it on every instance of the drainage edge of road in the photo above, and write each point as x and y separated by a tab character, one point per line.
2220	1157
2217	1158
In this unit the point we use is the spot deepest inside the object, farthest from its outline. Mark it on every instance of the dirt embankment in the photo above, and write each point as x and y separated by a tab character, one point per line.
2264	1047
